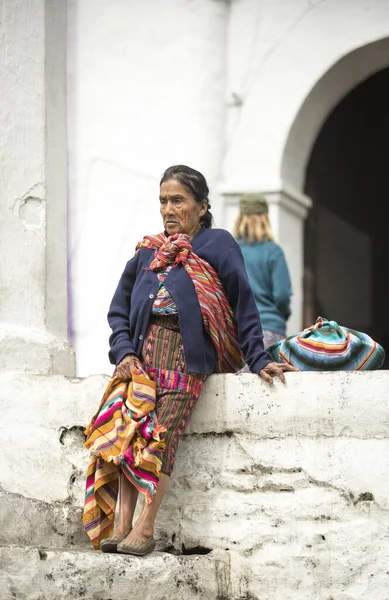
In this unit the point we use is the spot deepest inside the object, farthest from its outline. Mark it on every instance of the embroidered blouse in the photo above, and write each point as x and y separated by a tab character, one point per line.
163	303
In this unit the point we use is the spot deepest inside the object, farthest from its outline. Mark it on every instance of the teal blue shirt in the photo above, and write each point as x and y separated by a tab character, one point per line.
269	279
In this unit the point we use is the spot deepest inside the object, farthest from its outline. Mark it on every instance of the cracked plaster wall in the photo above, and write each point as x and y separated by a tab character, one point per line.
289	482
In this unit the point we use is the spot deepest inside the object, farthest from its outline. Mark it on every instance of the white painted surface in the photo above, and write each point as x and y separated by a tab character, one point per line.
312	406
146	85
33	305
341	78
277	52
72	575
22	147
238	90
292	213
290	479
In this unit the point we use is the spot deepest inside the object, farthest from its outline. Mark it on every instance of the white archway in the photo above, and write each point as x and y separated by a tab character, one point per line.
337	82
307	60
340	79
294	49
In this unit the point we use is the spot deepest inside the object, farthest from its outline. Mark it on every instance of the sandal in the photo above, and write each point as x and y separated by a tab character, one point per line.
110	544
139	548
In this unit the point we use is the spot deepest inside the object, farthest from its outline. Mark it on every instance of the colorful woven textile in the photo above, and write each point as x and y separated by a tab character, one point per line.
164	303
326	346
177	390
217	314
123	433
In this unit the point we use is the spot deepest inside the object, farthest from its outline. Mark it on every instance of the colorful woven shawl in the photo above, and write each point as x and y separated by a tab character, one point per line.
326	346
216	311
123	435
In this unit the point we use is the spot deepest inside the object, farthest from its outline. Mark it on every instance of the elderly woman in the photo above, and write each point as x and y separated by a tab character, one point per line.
183	309
265	265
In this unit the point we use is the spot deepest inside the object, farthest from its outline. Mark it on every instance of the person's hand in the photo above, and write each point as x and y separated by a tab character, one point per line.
124	368
276	370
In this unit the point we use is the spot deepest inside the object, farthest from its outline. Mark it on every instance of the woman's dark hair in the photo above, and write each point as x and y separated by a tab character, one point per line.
195	183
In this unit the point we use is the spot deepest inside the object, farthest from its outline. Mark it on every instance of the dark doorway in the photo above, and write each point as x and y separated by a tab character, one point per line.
347	234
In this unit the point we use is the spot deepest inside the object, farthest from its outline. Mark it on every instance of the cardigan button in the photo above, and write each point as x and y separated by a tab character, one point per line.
141	337
151	296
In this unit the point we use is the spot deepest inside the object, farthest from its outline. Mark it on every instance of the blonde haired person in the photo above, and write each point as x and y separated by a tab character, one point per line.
266	266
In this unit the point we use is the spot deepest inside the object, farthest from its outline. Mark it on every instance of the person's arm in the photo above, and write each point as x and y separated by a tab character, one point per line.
233	276
119	312
282	289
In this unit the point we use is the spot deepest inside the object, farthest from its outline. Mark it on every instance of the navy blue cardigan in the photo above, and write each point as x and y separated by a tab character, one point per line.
132	302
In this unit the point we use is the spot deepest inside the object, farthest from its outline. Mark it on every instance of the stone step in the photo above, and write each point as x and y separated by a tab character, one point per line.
283	573
28	573
28	521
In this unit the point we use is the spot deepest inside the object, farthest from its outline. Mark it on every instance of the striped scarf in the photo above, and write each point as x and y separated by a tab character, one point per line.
216	311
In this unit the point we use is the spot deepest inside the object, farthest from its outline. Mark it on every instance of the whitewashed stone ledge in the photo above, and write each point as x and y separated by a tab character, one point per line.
31	574
348	404
291	481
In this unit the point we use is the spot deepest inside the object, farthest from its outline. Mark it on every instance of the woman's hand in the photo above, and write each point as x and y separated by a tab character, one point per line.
277	370
124	368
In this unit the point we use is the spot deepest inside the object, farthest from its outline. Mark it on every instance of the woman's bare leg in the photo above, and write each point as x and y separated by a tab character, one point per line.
128	496
144	527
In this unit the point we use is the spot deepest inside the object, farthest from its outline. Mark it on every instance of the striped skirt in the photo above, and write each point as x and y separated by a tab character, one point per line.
177	390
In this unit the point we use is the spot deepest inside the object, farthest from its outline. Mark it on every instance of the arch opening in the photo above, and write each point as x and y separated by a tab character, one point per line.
346	232
335	84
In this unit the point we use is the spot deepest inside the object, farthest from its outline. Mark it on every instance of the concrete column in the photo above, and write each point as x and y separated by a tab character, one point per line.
33	199
287	213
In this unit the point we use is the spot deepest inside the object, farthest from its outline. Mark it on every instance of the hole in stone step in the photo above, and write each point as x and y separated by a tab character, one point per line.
195	550
199	550
170	549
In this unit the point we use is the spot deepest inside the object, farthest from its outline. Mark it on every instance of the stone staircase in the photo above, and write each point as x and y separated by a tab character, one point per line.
278	494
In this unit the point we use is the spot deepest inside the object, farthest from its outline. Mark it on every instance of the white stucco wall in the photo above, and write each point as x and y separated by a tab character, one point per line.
33	196
146	87
213	84
277	52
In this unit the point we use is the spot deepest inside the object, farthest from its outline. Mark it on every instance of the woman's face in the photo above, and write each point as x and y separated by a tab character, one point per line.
180	211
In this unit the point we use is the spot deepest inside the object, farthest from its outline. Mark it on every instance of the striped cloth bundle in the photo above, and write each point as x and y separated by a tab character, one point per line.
327	346
218	318
124	435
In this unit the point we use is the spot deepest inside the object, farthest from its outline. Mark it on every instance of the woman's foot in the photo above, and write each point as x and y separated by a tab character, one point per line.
110	543
122	531
139	534
139	542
